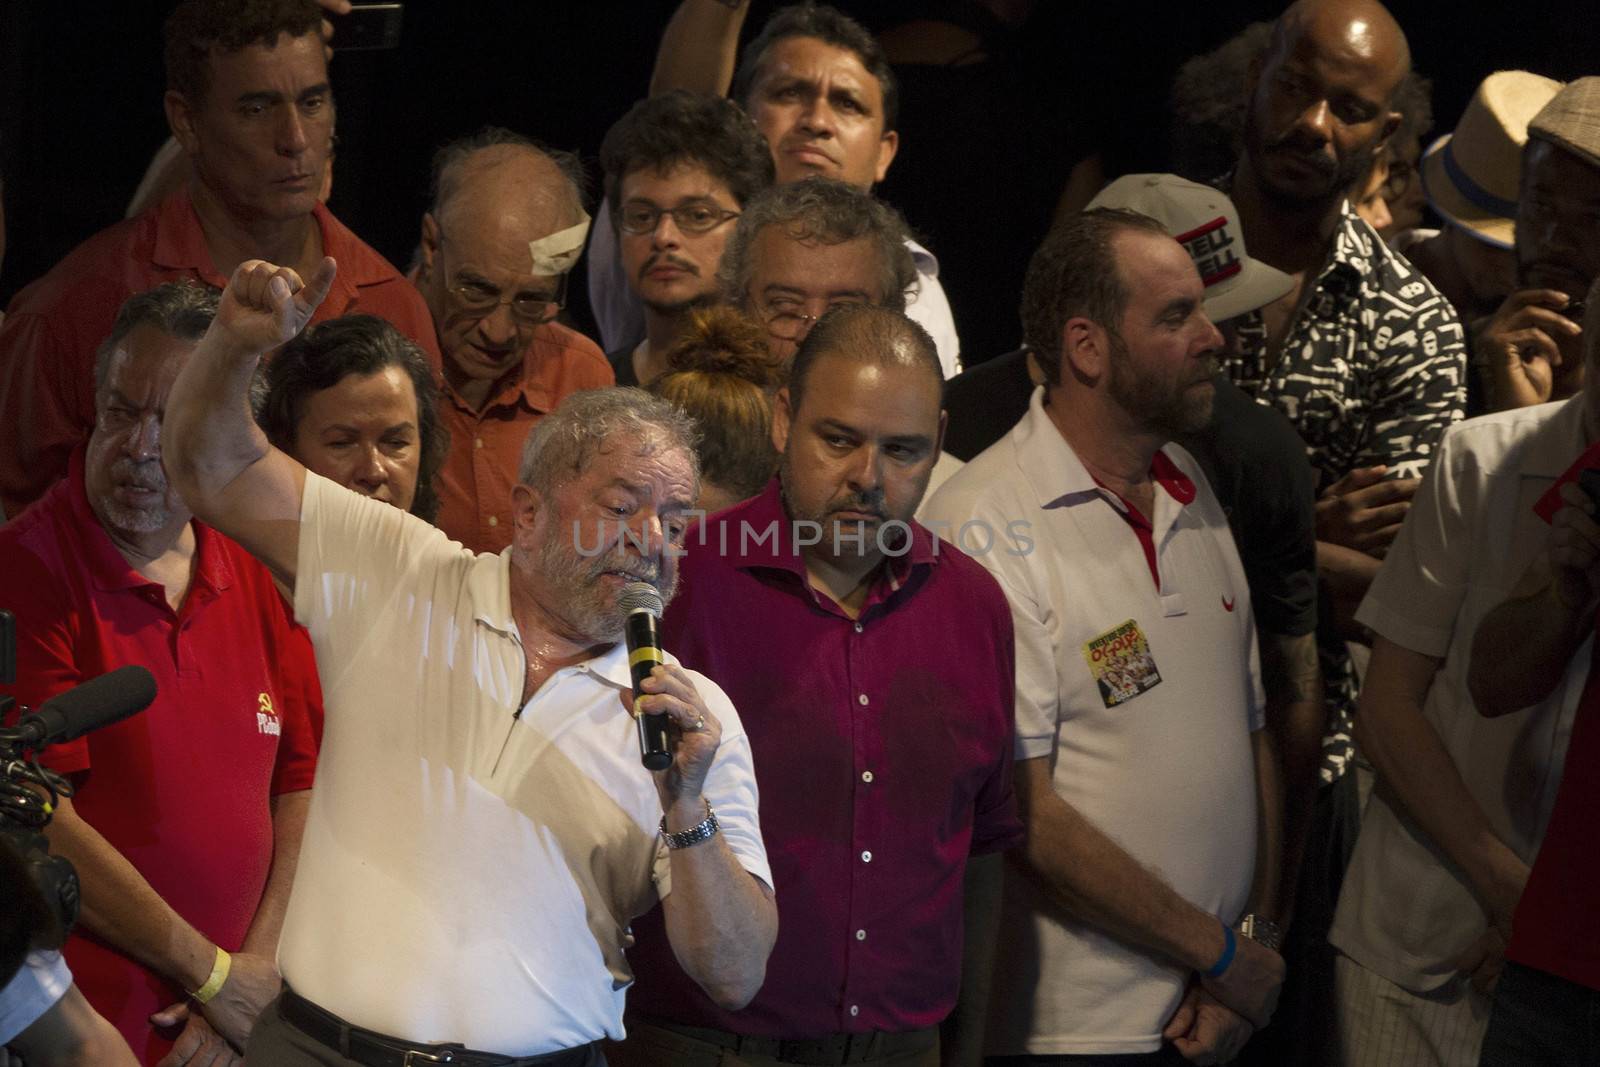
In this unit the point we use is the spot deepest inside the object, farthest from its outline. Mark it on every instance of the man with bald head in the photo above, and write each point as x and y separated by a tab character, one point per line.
1363	355
506	225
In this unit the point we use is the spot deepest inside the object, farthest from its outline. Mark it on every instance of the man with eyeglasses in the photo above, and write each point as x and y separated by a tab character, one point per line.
801	249
506	225
679	168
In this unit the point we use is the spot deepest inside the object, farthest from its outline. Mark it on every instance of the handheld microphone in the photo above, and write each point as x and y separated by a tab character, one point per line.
98	702
643	604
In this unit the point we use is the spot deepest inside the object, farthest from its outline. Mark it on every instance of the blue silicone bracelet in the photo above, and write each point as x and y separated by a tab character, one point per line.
1226	958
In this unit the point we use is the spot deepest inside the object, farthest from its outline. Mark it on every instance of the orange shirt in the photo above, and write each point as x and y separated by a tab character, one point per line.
475	483
53	327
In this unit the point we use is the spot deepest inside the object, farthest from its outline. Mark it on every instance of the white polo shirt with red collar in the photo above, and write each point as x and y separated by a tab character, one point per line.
1137	676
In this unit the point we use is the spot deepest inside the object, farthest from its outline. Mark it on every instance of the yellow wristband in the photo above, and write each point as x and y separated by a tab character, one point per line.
219	975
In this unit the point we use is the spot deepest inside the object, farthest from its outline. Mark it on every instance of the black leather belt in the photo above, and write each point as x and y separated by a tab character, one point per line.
379	1050
834	1050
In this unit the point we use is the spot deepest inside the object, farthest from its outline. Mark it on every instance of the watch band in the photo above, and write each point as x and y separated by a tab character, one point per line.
703	831
1262	931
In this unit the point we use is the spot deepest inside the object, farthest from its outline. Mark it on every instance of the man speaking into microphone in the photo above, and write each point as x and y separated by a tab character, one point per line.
483	830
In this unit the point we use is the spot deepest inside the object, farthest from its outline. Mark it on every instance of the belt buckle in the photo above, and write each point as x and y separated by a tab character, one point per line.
415	1057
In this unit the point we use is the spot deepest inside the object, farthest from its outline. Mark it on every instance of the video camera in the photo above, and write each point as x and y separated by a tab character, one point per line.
25	811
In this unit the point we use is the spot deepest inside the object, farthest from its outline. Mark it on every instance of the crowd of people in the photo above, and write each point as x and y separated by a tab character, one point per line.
1204	681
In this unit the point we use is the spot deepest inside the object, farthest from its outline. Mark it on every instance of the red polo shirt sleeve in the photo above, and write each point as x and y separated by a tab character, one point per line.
301	716
46	664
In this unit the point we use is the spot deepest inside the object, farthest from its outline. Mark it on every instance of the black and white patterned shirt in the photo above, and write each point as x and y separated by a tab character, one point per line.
1372	370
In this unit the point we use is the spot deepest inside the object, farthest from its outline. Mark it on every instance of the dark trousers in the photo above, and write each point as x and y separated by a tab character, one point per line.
1539	1020
1165	1056
1304	1030
276	1043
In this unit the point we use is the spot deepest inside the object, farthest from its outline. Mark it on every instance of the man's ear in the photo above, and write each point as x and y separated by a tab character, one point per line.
180	120
888	145
782	419
1085	349
429	245
525	502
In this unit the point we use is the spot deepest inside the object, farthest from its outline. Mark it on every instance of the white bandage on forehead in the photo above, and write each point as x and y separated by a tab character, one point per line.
557	253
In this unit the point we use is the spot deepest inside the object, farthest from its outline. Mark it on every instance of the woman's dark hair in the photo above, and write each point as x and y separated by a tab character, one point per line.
323	356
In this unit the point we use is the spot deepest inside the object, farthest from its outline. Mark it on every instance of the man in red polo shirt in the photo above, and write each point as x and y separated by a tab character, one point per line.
248	99
877	664
186	821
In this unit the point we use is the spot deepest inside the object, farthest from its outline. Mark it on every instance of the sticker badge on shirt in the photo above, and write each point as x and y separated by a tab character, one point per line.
1121	663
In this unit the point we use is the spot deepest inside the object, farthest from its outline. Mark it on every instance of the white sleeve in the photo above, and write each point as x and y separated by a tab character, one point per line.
356	556
32	991
1416	597
617	311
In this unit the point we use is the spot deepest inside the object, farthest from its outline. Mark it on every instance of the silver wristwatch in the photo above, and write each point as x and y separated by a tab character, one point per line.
1261	931
703	831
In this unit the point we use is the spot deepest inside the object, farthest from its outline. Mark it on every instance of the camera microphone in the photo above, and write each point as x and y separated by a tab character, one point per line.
642	602
98	702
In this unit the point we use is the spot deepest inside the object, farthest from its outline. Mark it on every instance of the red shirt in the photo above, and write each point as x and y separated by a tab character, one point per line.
882	750
181	789
475	483
53	327
1557	925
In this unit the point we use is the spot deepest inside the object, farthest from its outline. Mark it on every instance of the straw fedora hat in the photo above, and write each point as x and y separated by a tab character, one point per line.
1471	176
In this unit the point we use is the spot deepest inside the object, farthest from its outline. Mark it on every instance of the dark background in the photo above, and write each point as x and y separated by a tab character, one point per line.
81	83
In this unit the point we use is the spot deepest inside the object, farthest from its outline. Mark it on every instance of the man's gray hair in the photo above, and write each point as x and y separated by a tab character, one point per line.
562	444
178	309
447	166
827	212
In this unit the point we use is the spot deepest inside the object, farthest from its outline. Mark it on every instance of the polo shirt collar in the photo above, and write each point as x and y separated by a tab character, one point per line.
180	244
109	569
1058	477
1549	454
530	387
489	591
767	510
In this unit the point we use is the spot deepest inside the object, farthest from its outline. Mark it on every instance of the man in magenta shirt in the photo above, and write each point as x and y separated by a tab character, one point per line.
878	666
186	821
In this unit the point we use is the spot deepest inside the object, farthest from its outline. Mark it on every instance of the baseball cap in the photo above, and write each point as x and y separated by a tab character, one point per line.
1205	222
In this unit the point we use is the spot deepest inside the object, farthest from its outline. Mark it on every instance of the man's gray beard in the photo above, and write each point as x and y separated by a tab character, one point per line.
135	520
585	608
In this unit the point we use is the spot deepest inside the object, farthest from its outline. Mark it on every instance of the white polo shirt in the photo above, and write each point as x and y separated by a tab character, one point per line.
470	863
1406	912
1143	698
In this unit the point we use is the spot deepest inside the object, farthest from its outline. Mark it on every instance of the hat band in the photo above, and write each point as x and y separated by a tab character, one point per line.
1475	194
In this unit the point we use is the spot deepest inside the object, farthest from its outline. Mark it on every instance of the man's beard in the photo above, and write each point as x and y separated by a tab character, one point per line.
137	520
1339	176
575	576
859	534
1156	405
679	307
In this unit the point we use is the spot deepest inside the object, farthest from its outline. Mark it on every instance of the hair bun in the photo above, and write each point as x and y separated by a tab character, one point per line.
723	340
